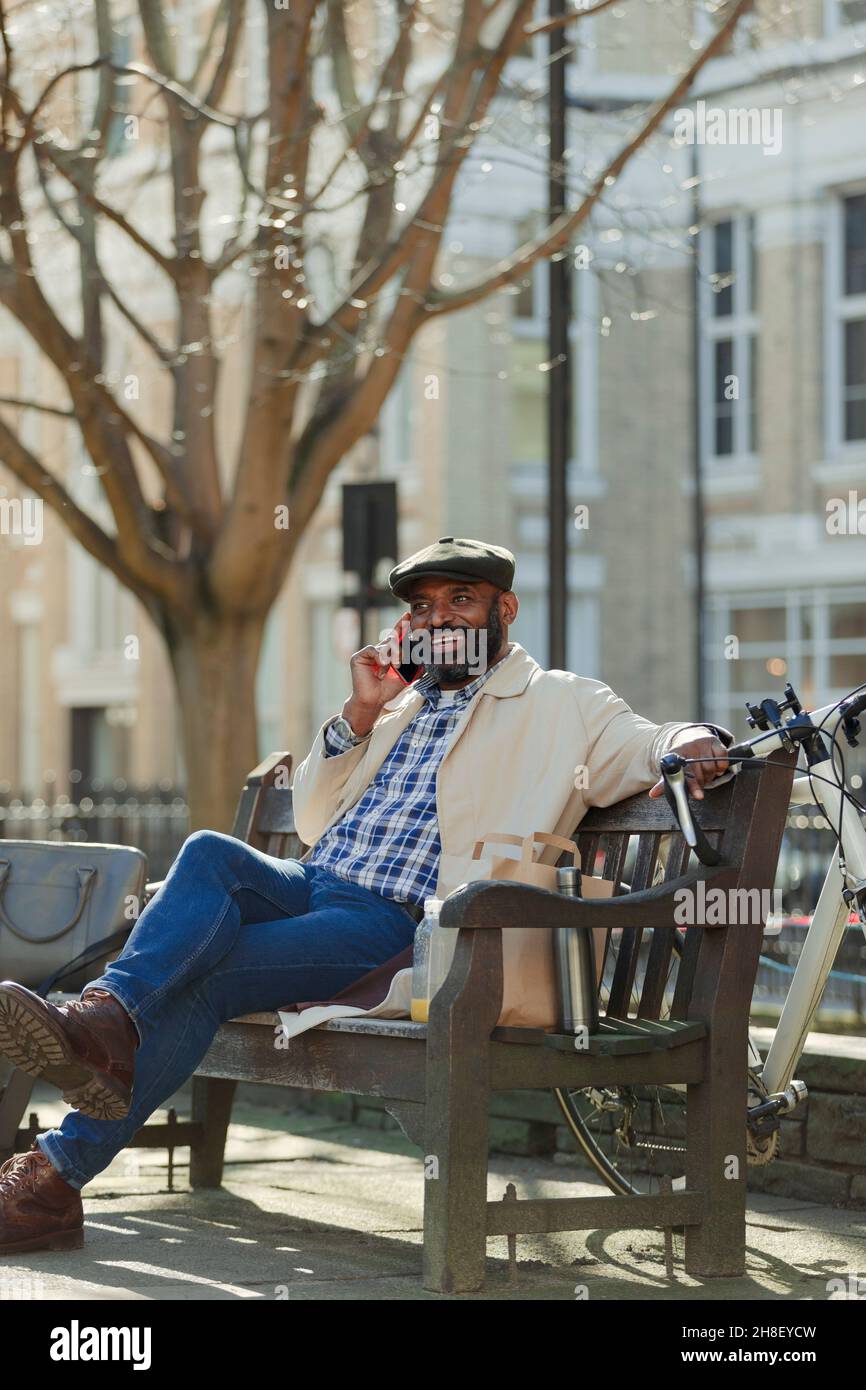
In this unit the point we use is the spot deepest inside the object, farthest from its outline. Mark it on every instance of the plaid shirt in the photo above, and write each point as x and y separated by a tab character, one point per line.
389	840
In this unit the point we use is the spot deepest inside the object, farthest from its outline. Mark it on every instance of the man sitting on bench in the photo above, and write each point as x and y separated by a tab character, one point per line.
391	799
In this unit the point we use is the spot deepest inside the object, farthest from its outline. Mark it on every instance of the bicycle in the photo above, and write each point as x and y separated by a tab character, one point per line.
633	1136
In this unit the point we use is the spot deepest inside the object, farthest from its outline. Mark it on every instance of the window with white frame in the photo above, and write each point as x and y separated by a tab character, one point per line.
255	70
840	14
846	300
386	30
330	682
100	613
528	385
729	341
99	748
270	694
397	425
29	709
814	638
528	379
186	19
122	53
582	637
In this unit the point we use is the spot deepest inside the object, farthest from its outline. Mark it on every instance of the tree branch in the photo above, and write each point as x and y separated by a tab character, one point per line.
64	166
259	484
156	36
5	79
97	283
20	403
234	29
28	470
561	21
96	413
460	113
559	233
328	434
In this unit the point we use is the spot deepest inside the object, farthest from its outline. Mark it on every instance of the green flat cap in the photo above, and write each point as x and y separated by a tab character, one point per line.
455	557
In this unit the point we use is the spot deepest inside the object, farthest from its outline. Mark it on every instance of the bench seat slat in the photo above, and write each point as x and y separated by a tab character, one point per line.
617	1036
379	1027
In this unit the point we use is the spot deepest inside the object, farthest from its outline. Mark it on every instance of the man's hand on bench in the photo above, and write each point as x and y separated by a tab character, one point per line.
699	774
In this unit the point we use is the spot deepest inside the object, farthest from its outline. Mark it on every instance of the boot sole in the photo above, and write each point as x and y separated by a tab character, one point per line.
37	1046
55	1240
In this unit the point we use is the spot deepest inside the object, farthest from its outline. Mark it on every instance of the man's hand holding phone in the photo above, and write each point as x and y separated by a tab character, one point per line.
374	682
408	670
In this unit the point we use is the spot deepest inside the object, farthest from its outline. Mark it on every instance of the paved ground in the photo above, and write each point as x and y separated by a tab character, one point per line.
313	1208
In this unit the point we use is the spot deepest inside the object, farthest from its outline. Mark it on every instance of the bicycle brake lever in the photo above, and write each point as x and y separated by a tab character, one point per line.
673	773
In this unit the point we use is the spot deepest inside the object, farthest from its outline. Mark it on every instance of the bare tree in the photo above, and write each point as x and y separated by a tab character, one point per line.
205	556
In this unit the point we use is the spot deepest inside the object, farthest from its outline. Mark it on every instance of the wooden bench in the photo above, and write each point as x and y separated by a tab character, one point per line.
436	1078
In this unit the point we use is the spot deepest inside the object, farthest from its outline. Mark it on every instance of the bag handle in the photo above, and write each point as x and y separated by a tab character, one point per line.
560	842
502	839
97	950
86	880
527	842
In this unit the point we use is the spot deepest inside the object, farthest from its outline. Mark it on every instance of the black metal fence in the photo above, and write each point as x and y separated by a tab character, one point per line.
843	1003
155	822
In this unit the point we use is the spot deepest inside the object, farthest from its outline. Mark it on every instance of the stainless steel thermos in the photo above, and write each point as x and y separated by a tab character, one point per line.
575	965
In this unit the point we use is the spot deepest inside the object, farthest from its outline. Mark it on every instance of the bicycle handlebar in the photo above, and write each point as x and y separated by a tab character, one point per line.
673	772
673	765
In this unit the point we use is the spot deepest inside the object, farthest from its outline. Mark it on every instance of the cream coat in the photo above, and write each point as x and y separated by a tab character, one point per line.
511	765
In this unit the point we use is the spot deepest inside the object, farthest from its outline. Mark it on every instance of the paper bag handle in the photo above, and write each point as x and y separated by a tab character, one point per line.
528	843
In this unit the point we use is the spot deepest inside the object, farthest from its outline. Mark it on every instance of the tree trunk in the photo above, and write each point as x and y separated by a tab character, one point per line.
214	666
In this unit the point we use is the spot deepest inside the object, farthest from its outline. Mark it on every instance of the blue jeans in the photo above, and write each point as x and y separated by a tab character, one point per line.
230	931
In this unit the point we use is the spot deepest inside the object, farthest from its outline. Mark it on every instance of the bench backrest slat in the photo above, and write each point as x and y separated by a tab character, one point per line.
276	815
614	859
588	846
689	959
645	861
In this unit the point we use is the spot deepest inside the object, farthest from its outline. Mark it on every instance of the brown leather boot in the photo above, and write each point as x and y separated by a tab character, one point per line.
38	1209
86	1048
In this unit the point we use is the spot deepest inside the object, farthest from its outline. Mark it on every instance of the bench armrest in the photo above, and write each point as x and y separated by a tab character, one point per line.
502	903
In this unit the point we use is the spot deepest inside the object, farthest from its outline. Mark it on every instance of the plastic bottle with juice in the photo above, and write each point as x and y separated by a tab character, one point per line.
432	953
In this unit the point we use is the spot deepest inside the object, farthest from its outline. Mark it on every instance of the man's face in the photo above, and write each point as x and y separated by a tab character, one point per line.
445	606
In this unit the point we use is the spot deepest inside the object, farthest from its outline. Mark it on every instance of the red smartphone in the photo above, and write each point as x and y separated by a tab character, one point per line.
408	671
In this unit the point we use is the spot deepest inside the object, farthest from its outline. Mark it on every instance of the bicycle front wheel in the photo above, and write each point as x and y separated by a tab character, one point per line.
634	1136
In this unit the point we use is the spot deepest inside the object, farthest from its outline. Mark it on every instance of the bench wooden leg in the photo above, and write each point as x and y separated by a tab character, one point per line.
212	1099
716	1165
455	1191
462	1015
456	1147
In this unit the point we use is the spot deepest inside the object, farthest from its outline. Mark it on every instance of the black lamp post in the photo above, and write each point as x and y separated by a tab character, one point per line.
559	352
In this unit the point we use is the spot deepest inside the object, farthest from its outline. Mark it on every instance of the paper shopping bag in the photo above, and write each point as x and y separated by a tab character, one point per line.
530	997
